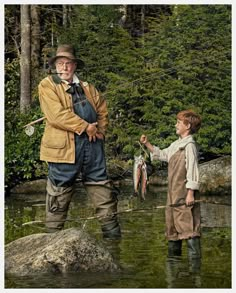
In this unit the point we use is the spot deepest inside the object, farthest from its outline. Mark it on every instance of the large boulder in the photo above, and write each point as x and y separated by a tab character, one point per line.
65	251
215	176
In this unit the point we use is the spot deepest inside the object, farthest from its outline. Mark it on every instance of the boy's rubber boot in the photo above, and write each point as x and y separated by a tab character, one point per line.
194	248
104	200
174	248
57	204
194	254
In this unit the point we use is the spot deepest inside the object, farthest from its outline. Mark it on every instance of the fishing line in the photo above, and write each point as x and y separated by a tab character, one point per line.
125	85
78	220
104	94
162	73
142	148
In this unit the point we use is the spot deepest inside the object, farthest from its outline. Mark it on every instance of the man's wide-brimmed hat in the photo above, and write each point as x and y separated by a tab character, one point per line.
67	51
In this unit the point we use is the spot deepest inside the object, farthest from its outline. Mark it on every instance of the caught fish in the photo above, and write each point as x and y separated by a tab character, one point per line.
140	176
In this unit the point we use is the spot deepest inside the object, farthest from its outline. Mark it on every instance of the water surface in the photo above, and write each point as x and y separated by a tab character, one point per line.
142	251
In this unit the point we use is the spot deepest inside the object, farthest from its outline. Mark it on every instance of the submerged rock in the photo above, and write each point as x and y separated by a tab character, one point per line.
68	250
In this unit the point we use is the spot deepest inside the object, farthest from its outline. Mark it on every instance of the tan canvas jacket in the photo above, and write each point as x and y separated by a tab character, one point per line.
57	144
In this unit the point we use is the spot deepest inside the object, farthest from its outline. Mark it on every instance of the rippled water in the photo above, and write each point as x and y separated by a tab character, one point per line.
142	251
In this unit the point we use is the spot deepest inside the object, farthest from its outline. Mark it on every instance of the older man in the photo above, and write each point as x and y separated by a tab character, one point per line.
73	143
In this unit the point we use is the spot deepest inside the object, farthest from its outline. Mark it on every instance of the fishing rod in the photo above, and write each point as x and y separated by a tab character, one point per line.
29	129
126	211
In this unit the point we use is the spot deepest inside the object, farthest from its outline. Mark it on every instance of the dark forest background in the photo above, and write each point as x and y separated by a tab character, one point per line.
149	61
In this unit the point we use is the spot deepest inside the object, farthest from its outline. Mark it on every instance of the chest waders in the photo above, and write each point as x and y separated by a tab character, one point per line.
90	163
182	222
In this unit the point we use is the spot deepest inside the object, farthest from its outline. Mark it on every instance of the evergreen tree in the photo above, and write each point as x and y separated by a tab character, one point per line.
188	65
182	60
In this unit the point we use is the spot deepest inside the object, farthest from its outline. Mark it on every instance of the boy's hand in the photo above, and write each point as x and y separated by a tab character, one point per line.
190	198
143	139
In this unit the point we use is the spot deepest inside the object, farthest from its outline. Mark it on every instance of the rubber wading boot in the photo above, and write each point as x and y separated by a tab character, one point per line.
57	204
111	229
104	199
174	248
194	254
194	248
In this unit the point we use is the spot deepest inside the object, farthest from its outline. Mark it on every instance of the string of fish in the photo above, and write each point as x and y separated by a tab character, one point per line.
140	175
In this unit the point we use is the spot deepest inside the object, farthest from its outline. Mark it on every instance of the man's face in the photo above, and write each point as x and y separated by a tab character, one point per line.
65	68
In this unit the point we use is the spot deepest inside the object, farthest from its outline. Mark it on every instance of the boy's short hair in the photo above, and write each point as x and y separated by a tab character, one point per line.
189	116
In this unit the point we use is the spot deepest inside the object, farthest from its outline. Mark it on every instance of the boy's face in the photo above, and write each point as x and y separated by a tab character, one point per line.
182	129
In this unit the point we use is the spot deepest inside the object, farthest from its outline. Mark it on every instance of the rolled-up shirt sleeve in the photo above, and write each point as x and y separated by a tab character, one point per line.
192	177
158	154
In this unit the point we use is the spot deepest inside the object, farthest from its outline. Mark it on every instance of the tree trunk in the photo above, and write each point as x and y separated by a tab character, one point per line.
25	93
65	15
35	44
135	20
35	36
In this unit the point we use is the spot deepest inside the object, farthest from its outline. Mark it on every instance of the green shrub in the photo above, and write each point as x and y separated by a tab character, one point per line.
22	151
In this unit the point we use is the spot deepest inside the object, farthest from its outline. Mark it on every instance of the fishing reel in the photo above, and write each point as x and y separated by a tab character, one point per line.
29	128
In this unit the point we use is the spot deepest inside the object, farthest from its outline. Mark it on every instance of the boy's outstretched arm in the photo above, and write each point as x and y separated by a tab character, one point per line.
144	140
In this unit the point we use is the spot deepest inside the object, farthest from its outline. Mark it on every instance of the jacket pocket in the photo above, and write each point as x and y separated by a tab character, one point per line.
54	138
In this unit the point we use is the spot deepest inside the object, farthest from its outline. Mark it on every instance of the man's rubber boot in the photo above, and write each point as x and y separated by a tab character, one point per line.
111	230
174	248
105	201
57	204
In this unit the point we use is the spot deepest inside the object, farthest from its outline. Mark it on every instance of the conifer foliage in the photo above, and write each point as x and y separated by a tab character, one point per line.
179	59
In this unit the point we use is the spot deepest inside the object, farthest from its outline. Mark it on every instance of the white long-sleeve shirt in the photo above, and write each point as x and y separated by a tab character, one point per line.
191	158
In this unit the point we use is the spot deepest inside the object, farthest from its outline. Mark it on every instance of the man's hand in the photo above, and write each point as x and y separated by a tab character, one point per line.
91	130
99	135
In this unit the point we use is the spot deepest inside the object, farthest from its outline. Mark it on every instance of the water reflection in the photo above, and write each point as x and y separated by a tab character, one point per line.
183	274
142	251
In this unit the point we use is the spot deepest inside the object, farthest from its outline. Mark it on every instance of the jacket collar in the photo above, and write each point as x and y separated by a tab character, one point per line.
56	79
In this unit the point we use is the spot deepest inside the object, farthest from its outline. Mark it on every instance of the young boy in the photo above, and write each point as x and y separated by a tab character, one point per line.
182	214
